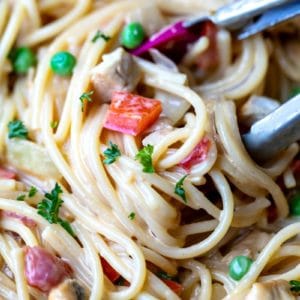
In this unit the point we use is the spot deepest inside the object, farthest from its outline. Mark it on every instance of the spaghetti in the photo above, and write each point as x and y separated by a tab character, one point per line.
106	193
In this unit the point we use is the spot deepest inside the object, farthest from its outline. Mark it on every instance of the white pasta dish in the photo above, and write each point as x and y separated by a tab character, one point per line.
125	176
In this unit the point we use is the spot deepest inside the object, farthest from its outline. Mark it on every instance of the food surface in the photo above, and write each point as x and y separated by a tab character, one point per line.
123	174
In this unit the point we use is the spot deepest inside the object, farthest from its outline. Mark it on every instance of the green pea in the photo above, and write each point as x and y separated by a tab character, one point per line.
62	63
239	266
132	35
295	205
22	60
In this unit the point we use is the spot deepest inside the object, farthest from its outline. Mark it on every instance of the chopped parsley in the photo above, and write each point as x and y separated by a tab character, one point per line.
32	191
131	216
16	129
295	286
179	190
21	197
165	275
111	154
53	124
144	156
101	35
85	97
49	209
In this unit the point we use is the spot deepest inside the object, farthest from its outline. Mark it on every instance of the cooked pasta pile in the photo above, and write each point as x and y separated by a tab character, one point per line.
125	177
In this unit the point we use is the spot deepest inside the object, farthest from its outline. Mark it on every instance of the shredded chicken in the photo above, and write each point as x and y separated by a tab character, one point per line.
250	246
270	290
117	72
70	289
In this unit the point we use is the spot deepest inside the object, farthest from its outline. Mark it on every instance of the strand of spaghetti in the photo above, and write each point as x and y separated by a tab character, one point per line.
222	277
159	288
199	227
19	273
4	13
23	231
32	12
52	29
160	261
95	20
59	160
205	278
197	131
236	71
7	114
92	257
88	58
268	251
60	242
227	130
117	236
10	34
7	288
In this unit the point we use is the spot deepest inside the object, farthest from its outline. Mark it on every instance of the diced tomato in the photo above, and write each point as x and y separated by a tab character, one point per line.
210	57
131	114
174	286
198	155
44	270
7	174
25	220
109	271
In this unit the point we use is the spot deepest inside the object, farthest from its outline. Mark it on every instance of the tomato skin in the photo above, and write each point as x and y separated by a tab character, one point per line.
210	57
173	285
7	174
109	271
198	154
131	114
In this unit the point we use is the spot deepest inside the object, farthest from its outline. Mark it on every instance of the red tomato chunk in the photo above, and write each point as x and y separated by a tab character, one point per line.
109	271
174	286
198	155
44	270
131	114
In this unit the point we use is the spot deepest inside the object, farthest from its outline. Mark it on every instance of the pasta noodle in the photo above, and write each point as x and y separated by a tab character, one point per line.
163	205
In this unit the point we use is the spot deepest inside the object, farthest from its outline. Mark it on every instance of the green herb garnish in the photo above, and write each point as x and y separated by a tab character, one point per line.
111	154
144	156
101	35
179	190
49	209
131	216
85	97
21	197
32	191
295	286
16	129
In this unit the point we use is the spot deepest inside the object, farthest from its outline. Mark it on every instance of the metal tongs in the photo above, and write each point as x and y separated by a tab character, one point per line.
243	17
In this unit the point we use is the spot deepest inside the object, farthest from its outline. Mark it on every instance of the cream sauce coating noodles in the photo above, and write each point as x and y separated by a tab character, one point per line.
82	218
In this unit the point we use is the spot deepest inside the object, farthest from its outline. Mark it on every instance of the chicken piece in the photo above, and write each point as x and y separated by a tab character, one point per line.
270	290
117	72
70	289
249	245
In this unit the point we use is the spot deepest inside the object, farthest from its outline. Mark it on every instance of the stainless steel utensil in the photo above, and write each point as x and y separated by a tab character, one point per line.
275	132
